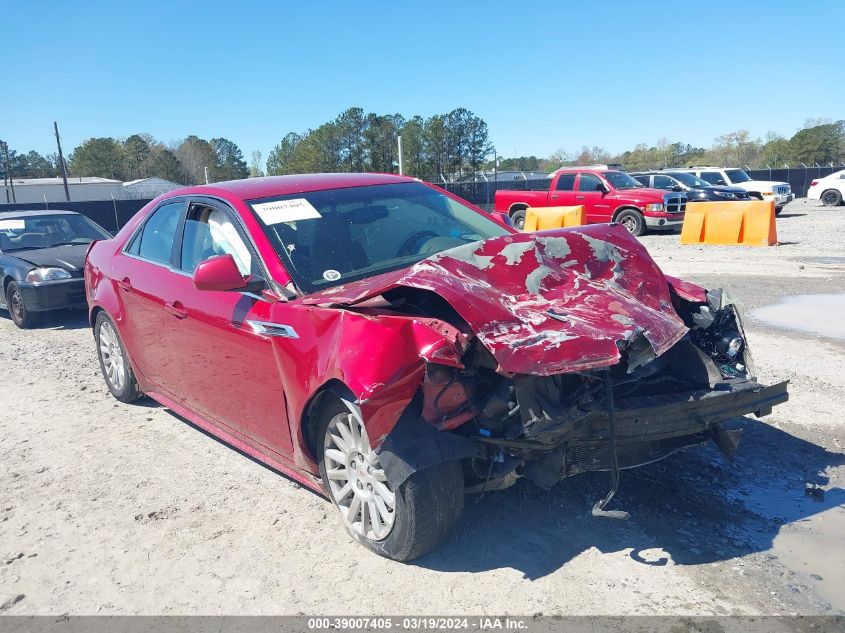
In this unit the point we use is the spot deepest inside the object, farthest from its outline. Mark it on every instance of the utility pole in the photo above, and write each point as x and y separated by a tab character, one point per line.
401	163
206	174
62	161
9	171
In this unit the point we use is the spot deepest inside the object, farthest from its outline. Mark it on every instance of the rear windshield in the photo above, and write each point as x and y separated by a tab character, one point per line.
331	237
46	231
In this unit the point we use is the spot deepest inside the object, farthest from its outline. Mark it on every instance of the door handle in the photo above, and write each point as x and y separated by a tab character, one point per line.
176	309
579	197
124	284
554	195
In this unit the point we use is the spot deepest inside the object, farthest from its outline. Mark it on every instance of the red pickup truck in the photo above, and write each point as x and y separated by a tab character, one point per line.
608	195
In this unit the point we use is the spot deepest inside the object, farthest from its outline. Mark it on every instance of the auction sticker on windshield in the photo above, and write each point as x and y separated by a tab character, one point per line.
286	211
12	225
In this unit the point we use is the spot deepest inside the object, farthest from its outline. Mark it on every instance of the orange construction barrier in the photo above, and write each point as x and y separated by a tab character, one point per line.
745	223
542	218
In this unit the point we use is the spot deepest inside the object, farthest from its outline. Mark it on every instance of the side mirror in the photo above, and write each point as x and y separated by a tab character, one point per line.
221	273
677	188
602	188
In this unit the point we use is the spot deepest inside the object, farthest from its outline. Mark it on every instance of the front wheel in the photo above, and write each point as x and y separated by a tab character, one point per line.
21	315
114	363
400	522
831	198
633	221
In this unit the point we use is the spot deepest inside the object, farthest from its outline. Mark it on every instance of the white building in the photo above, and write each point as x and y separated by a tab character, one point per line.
148	188
53	190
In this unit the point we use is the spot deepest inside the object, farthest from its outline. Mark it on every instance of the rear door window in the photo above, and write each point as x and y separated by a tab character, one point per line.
155	240
643	180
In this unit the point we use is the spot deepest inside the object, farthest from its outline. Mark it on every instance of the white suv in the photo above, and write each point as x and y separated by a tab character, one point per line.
767	190
830	189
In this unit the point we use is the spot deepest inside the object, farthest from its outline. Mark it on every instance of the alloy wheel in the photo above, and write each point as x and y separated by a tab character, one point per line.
829	198
356	480
112	355
630	223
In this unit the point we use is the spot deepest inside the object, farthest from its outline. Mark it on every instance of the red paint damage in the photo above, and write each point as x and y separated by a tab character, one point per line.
546	303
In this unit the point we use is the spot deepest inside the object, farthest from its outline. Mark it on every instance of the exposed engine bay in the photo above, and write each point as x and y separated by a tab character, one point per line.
547	428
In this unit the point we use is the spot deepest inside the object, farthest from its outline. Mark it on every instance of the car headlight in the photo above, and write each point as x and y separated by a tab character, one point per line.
768	193
654	206
47	274
724	194
730	344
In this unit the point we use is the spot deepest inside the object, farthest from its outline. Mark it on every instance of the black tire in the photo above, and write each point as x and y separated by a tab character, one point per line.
633	221
518	219
778	210
831	198
126	390
21	316
427	504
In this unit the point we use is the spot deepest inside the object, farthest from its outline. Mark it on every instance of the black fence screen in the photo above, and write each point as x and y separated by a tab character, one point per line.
110	214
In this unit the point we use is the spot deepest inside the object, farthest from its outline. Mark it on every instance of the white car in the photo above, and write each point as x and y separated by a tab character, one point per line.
830	189
779	192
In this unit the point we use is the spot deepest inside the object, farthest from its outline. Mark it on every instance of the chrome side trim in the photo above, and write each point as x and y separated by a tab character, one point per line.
272	329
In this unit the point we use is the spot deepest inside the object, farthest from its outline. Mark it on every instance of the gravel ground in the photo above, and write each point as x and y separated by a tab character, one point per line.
128	509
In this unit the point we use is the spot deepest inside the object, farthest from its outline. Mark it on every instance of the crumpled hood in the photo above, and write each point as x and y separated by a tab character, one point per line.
68	256
543	303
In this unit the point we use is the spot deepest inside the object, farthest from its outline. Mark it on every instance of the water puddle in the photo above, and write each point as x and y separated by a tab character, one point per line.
821	260
810	540
816	314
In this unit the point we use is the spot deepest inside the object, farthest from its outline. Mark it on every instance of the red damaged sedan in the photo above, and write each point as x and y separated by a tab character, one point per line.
391	346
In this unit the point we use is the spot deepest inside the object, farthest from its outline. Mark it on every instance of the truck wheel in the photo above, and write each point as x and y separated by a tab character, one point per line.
633	221
831	198
401	521
518	218
21	316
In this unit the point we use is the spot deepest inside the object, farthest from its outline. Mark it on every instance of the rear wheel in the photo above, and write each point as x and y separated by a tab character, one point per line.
831	198
21	316
518	219
114	363
633	221
401	521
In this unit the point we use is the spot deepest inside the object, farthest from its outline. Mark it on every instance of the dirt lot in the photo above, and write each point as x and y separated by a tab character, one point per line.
111	508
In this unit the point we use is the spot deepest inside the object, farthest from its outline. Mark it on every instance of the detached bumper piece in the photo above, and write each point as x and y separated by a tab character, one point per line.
54	295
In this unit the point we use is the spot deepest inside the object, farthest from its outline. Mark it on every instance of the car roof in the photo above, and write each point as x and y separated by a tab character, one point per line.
270	186
8	215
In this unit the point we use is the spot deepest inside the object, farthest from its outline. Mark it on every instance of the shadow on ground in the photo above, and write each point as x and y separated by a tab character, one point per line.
693	506
56	319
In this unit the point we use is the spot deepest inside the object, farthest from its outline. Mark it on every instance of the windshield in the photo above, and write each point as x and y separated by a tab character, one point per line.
331	237
46	231
737	175
689	180
621	180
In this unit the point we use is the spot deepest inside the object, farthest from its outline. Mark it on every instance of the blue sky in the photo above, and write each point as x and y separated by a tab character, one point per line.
544	75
